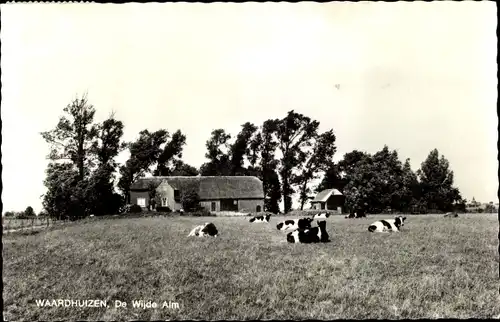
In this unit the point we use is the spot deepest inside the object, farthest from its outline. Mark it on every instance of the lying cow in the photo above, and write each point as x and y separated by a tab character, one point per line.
357	214
387	225
321	216
295	224
260	219
451	215
208	229
309	235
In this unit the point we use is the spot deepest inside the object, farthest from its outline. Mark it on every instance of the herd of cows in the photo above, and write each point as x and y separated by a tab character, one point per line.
301	230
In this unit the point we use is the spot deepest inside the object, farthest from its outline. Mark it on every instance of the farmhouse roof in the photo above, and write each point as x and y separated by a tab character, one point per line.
209	187
325	194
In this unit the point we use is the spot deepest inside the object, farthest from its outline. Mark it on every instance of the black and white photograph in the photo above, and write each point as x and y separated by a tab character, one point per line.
249	161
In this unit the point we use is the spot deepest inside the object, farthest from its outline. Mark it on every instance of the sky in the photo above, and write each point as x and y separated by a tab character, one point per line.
411	75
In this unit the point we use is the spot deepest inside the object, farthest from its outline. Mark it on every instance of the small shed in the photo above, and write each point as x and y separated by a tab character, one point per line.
329	199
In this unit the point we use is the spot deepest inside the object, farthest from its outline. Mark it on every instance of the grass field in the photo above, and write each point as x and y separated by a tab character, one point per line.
435	268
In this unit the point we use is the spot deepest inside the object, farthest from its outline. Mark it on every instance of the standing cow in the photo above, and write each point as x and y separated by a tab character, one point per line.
295	224
310	235
323	215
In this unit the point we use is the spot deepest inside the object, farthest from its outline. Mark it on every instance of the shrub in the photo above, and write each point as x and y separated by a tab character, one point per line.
199	212
43	213
163	209
190	200
135	209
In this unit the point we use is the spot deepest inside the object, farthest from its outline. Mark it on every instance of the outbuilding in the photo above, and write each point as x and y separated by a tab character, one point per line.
329	199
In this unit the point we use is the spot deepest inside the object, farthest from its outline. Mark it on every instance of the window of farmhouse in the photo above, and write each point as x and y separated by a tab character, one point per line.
177	195
213	206
141	202
258	208
164	202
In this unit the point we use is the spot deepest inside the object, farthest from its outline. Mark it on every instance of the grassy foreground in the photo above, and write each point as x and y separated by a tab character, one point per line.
435	268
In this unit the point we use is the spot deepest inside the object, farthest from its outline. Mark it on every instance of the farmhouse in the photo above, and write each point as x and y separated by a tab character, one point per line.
329	199
216	193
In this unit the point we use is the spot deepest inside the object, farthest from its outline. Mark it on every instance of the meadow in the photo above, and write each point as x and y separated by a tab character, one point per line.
434	268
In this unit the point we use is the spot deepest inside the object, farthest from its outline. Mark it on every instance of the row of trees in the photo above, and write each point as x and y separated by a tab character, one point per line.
381	181
26	214
287	154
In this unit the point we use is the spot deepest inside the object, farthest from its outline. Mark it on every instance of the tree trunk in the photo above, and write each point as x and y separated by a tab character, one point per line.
303	196
264	188
285	193
80	156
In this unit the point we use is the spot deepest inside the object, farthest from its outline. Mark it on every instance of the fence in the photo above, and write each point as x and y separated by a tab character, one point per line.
29	223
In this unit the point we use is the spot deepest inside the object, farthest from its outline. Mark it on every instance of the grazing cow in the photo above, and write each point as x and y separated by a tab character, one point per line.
295	224
208	229
309	235
387	225
260	219
451	215
323	215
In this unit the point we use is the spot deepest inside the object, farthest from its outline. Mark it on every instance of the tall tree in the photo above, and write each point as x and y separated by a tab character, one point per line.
357	170
388	170
73	159
171	152
241	148
373	183
319	160
184	169
331	179
219	160
294	133
108	144
106	147
144	153
64	198
73	136
436	181
263	163
272	192
350	161
409	193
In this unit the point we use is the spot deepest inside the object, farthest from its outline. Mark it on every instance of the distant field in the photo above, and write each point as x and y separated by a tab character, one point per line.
435	268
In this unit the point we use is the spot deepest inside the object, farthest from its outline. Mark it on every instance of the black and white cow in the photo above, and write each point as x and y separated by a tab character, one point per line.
323	215
309	235
360	213
295	224
387	225
451	215
208	229
260	219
